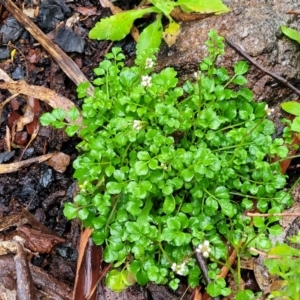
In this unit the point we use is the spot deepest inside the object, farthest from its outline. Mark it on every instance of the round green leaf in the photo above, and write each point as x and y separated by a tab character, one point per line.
141	168
169	204
70	211
114	187
115	281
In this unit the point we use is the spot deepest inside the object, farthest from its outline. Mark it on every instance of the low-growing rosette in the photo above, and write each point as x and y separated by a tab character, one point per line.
166	168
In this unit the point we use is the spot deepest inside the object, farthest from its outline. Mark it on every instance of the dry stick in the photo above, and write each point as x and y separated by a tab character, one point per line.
225	269
61	58
250	59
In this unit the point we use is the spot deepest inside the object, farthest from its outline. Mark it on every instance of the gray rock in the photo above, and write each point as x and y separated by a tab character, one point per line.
255	27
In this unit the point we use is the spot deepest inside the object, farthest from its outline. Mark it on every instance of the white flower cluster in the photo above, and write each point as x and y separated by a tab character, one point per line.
146	81
268	110
204	249
137	125
149	63
179	269
197	75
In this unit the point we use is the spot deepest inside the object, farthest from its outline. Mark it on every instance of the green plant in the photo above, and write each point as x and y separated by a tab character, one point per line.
118	26
283	261
293	108
165	168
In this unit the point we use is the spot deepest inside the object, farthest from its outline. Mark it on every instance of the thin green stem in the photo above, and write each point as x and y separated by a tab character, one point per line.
249	196
125	152
250	180
229	147
106	83
231	126
229	81
164	253
211	195
112	211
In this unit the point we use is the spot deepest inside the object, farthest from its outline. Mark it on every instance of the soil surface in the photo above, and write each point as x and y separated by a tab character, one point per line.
32	197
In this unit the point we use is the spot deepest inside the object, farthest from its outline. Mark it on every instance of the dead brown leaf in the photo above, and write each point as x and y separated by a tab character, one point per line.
196	294
38	241
59	162
13	220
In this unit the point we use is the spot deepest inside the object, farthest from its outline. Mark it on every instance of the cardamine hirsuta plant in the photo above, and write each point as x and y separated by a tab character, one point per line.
166	171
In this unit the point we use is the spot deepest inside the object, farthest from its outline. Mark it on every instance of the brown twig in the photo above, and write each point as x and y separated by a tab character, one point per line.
252	61
231	260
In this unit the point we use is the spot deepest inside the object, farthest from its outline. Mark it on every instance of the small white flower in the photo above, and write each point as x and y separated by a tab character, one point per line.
149	63
205	254
206	243
199	248
137	125
174	267
146	81
268	110
197	75
179	269
204	248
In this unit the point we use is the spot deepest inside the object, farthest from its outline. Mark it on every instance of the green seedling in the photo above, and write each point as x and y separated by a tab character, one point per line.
118	26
